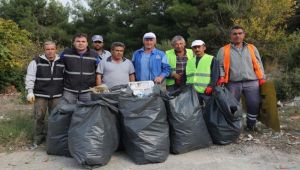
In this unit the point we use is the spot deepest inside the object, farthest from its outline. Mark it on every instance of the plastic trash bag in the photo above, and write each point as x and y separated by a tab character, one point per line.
188	130
145	130
93	134
58	126
223	116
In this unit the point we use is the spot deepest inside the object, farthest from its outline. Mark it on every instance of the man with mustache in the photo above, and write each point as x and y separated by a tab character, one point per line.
202	71
98	45
177	58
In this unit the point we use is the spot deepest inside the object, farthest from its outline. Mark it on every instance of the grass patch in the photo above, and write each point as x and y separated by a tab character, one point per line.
290	117
16	131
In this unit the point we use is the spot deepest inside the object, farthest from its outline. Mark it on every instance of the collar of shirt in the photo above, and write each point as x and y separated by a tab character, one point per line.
109	59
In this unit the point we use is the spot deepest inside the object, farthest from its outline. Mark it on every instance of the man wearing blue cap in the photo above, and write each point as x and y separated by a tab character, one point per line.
98	45
149	62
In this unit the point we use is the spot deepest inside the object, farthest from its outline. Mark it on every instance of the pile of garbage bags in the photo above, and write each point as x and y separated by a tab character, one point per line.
149	126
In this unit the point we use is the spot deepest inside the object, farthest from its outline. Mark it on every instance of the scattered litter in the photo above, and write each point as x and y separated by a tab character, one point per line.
292	143
46	160
295	117
256	141
279	103
249	138
12	164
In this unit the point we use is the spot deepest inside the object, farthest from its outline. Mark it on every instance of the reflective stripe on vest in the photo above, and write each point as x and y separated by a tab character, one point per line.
200	76
171	55
255	63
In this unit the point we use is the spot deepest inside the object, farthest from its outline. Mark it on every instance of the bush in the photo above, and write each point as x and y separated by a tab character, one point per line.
16	49
288	84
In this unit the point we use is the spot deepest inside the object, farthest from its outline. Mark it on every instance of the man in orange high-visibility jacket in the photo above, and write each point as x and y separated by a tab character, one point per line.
242	72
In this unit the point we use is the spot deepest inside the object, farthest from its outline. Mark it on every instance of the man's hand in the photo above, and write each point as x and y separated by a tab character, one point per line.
220	81
158	80
208	90
176	76
261	81
30	98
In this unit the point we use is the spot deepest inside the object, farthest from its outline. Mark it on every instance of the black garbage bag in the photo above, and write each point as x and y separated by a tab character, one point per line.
188	130
93	133
145	130
223	117
58	126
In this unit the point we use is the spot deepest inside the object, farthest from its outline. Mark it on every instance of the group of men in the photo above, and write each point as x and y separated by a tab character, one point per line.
71	74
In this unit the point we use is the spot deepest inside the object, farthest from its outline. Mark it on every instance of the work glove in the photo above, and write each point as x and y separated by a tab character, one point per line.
208	90
261	81
220	81
30	98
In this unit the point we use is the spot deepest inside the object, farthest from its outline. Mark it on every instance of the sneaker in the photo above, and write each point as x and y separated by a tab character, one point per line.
33	146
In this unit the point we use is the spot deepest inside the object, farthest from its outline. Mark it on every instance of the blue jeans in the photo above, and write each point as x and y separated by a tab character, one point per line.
250	90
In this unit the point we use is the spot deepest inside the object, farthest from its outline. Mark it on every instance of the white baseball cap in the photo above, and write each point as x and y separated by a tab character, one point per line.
197	43
149	35
97	38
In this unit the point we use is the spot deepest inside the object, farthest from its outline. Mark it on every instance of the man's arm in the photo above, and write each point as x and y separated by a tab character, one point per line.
215	73
98	79
131	77
257	55
99	73
131	72
165	67
30	76
220	58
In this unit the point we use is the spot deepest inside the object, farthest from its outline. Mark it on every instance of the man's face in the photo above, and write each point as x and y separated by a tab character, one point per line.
50	51
199	50
149	43
179	45
237	36
80	43
98	45
117	52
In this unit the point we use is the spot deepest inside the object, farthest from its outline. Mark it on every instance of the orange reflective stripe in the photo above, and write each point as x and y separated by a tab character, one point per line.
255	62
226	61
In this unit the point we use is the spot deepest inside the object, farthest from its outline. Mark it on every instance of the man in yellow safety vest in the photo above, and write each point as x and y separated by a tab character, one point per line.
177	58
202	71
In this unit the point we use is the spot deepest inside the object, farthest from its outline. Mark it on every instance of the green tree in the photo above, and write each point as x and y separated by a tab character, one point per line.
134	18
208	20
44	19
16	49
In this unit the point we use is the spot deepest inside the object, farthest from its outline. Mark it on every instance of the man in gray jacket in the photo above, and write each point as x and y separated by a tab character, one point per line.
242	71
44	83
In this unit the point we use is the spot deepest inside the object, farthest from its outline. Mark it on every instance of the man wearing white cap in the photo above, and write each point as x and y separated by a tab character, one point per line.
202	71
98	45
149	62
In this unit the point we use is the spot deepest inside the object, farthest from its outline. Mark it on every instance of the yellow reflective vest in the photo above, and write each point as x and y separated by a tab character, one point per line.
199	76
171	55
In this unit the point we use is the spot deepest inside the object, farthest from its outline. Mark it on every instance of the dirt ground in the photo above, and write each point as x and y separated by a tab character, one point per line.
264	150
